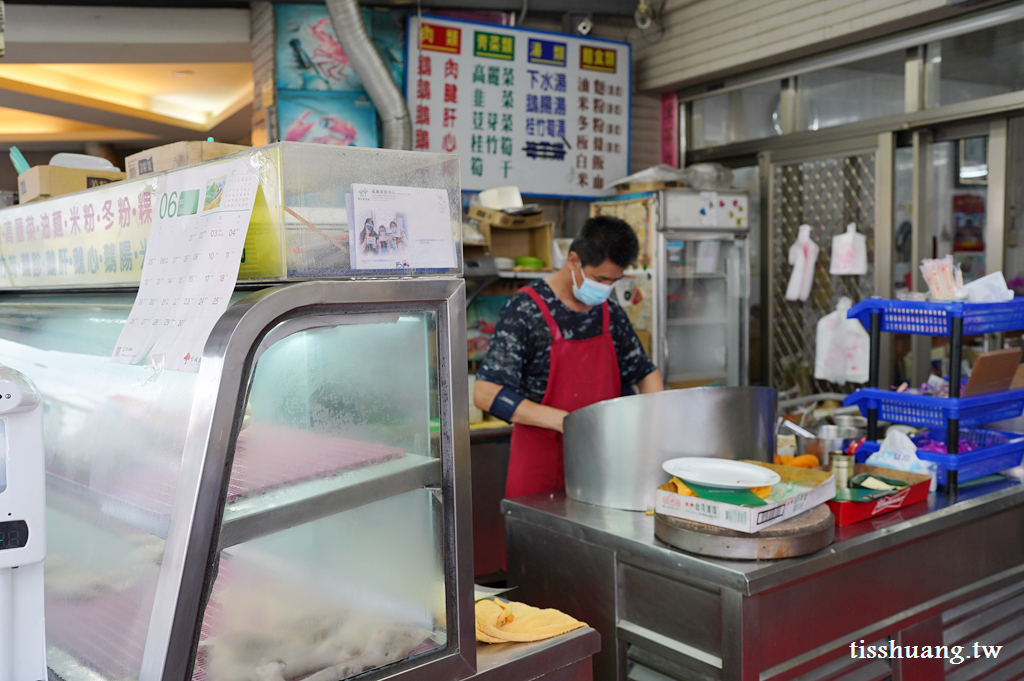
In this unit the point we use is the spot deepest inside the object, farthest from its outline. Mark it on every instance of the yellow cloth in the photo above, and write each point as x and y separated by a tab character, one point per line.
498	622
681	487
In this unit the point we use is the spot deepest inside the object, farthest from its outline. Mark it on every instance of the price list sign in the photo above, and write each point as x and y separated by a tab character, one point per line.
546	112
195	248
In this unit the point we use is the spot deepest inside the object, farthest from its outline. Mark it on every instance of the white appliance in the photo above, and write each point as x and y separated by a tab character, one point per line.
22	530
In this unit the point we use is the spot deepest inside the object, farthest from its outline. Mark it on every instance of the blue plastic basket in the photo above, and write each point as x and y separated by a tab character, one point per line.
933	319
1002	451
932	412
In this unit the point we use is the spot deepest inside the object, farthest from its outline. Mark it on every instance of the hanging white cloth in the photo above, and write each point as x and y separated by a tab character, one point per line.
842	347
849	252
803	256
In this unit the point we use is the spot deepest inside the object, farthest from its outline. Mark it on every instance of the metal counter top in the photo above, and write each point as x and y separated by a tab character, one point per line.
632	533
527	661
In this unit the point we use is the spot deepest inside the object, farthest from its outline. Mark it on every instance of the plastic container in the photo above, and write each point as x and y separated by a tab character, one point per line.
930	411
933	319
1001	451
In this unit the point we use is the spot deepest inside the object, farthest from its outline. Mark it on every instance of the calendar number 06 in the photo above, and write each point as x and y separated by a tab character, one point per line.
168	205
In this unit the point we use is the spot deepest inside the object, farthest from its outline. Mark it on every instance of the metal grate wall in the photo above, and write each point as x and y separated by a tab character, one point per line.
826	194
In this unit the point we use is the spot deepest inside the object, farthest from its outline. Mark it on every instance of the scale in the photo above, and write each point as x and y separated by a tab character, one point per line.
22	530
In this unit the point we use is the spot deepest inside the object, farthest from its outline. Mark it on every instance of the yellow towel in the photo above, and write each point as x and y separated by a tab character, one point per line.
498	622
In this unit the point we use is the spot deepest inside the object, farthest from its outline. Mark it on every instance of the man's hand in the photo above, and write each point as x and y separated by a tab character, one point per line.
528	413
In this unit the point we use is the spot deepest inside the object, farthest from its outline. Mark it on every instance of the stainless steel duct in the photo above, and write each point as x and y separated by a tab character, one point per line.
360	50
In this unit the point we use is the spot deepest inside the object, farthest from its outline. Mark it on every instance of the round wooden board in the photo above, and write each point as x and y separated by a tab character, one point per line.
803	534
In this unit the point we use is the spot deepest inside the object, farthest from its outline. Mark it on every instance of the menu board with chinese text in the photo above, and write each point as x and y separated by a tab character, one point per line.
546	112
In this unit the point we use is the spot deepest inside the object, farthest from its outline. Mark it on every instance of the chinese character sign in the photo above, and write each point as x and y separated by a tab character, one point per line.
548	113
89	238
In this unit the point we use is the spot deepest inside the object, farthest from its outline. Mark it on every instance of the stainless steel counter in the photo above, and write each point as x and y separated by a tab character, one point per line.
562	658
915	575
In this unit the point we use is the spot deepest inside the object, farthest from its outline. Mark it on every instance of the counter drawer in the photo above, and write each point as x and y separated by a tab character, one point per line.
681	612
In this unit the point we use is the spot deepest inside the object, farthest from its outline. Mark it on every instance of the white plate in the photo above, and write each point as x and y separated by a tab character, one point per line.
721	472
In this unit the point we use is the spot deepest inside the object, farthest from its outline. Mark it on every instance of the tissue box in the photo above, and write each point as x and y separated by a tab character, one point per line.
42	182
820	487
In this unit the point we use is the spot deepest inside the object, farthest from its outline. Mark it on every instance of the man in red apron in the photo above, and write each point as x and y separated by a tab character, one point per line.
561	345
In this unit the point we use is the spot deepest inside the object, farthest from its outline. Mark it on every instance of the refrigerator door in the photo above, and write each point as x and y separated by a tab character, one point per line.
703	309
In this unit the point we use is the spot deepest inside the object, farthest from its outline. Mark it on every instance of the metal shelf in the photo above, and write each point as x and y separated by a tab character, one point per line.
279	508
511	274
697	321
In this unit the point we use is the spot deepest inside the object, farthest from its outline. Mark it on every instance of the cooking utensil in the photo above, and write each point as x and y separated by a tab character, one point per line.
827	439
721	473
802	432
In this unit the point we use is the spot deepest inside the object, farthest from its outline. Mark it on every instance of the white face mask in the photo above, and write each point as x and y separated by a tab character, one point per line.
589	292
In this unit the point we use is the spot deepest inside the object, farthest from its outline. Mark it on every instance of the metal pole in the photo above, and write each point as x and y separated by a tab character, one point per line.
876	349
953	425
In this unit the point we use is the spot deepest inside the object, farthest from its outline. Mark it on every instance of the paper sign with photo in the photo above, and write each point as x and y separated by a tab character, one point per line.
402	228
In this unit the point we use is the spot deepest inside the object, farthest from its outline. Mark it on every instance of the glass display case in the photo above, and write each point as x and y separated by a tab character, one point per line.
296	509
300	227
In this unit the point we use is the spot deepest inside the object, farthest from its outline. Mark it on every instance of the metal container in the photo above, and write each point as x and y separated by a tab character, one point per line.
843	466
851	421
614	449
830	438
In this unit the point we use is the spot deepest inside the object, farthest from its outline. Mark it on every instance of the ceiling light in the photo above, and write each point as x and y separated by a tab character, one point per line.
182	74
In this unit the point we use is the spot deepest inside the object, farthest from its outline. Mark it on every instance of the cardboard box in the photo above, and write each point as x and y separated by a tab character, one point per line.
517	242
499	218
42	182
806	489
850	512
177	155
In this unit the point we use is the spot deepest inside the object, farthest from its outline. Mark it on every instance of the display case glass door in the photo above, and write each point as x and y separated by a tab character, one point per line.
704	312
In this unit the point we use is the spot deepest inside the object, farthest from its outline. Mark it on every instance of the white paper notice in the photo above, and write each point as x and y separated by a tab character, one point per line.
401	228
192	259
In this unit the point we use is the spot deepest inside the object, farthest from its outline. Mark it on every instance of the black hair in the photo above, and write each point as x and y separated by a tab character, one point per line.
606	238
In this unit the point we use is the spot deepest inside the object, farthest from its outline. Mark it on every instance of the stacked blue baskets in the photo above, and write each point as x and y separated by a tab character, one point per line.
996	450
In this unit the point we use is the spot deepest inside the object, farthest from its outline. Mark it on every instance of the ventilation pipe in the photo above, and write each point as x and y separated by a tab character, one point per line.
367	62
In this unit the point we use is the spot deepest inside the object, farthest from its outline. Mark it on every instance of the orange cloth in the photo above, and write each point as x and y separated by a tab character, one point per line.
498	622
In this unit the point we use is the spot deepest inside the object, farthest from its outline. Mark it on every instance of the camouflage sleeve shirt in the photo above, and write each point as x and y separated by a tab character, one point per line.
519	356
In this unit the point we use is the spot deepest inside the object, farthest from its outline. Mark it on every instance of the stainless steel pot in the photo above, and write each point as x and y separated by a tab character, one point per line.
614	449
830	438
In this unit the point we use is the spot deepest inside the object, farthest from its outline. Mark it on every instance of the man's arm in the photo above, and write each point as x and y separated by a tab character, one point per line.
528	413
651	383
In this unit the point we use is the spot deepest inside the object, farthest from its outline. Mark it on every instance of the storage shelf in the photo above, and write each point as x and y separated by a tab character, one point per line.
279	508
929	318
697	321
931	411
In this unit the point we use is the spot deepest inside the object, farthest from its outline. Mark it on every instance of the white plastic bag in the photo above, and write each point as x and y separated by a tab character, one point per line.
991	288
803	255
849	252
842	347
899	453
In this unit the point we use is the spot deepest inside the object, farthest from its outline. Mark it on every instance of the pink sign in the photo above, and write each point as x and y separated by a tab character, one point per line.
670	129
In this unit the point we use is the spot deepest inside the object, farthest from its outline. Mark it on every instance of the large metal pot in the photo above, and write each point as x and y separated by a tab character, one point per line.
614	449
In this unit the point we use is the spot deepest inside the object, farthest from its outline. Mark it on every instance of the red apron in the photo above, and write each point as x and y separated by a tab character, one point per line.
582	372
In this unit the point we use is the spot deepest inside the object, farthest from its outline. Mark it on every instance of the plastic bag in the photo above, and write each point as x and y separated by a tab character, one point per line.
842	347
899	453
991	288
849	252
803	255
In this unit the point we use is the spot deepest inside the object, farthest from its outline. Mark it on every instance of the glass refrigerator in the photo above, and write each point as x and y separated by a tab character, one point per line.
688	298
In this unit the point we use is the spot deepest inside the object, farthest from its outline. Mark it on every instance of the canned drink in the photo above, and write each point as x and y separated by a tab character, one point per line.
842	468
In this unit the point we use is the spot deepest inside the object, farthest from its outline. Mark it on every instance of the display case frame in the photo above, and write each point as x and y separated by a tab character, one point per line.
195	536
